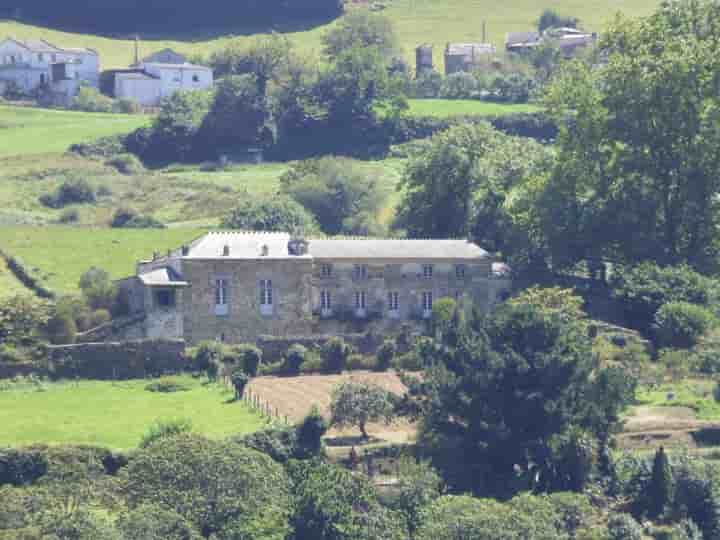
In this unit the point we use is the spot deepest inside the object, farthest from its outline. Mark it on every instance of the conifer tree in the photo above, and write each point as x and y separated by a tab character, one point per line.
661	484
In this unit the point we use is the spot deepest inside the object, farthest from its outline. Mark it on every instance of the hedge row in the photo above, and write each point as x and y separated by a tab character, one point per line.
18	268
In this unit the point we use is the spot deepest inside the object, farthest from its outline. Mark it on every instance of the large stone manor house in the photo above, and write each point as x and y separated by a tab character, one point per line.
236	286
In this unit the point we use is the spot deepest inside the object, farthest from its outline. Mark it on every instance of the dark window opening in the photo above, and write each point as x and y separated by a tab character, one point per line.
165	298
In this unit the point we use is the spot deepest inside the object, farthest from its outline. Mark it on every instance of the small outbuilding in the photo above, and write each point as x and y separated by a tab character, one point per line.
466	56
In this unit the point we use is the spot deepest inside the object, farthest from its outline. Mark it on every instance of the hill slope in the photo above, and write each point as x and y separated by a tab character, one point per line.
417	21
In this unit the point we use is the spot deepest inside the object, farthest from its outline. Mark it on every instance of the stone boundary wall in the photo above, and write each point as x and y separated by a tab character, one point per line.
110	361
274	347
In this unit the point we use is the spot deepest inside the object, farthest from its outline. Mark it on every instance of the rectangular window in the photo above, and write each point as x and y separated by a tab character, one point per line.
460	271
326	270
360	299
427	301
266	292
360	272
165	298
221	292
325	300
393	301
427	271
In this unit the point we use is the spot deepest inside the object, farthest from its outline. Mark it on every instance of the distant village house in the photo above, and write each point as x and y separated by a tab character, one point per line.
568	40
34	65
466	56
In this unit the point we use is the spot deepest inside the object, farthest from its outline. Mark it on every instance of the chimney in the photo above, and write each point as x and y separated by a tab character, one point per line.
226	250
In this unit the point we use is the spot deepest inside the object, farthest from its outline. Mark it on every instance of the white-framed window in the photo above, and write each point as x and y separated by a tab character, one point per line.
393	301
427	303
325	300
221	296
427	271
360	299
360	272
460	270
326	270
266	292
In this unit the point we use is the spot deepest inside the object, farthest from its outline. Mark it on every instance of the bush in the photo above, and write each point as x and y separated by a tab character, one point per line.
460	85
61	329
164	429
681	324
20	467
126	164
294	358
239	380
97	288
167	385
334	354
125	106
279	214
99	317
71	215
153	522
386	355
408	362
76	191
278	443
312	364
90	99
250	357
645	288
358	361
310	433
224	489
126	218
624	527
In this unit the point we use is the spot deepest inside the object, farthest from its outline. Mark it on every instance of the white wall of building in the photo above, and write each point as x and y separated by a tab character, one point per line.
180	77
147	92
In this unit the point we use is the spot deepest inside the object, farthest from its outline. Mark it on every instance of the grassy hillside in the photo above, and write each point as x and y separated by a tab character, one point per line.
444	108
60	255
417	21
26	131
116	414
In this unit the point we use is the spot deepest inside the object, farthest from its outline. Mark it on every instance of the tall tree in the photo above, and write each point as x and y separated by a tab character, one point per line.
639	143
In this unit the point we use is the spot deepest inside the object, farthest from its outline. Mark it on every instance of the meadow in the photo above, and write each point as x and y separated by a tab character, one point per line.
59	255
417	21
445	108
28	131
115	414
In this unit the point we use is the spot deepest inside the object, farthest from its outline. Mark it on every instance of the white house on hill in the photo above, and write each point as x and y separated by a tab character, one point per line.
34	64
160	75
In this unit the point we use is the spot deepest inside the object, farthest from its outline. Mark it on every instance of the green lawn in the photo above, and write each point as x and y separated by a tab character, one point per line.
9	284
59	255
417	21
116	415
443	108
694	394
26	131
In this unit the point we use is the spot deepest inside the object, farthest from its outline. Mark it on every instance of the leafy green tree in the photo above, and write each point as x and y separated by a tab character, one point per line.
624	527
22	319
334	354
331	503
356	404
418	486
310	433
269	214
661	484
638	143
386	354
362	29
97	288
153	522
507	392
681	325
335	191
222	488
294	358
552	19
80	525
239	379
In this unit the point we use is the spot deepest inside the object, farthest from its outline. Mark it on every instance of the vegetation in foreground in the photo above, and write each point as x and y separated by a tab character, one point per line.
445	108
115	414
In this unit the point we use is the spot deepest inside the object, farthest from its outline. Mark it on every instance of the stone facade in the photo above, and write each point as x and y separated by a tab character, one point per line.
235	287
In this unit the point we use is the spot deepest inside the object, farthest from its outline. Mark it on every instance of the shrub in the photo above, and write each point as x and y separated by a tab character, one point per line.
294	358
408	362
645	288
167	385
126	218
126	164
574	509
71	215
251	358
125	106
75	191
459	85
334	354
104	147
312	364
20	467
681	324
624	527
310	433
280	443
153	522
164	429
9	353
358	361
97	288
356	404
90	99
61	329
386	355
99	317
269	214
239	379
224	489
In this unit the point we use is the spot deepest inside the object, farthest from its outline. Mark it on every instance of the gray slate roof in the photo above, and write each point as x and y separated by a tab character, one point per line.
469	49
522	38
249	245
160	277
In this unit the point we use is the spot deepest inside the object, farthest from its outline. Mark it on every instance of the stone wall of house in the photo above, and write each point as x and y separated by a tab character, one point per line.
127	360
244	321
275	347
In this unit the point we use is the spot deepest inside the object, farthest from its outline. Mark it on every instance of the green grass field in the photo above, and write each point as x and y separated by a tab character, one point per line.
59	255
445	108
417	21
116	414
9	284
694	394
27	131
